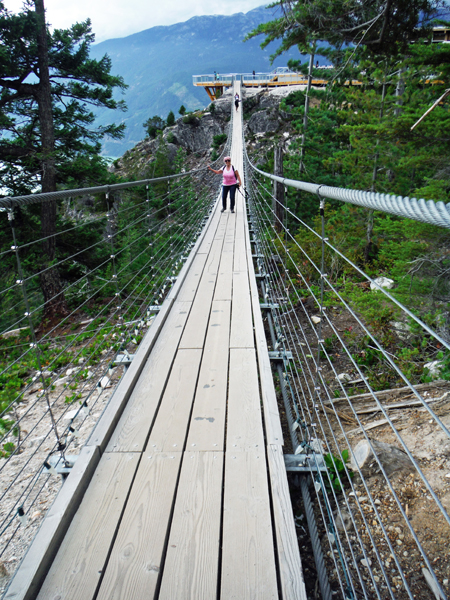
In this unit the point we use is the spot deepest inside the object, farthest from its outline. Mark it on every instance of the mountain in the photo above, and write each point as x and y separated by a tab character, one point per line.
158	65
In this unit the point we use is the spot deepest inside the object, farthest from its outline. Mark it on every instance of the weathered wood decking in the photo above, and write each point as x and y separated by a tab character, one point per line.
189	496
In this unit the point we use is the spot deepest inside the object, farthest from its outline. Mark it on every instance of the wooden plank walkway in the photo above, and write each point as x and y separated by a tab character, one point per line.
189	499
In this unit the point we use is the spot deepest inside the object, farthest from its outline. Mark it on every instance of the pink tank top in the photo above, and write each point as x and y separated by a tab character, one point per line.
229	177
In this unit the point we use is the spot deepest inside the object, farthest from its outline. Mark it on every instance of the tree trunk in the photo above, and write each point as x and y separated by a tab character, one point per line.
369	231
305	115
50	280
278	189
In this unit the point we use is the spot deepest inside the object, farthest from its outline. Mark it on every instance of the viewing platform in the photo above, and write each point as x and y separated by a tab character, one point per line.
215	84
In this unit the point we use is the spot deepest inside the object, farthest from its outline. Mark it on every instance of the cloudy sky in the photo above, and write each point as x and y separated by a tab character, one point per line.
118	18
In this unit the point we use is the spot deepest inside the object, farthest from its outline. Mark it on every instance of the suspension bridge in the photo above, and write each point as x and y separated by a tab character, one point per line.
188	419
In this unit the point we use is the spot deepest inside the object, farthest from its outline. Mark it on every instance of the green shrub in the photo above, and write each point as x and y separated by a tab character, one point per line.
182	110
336	471
218	140
190	119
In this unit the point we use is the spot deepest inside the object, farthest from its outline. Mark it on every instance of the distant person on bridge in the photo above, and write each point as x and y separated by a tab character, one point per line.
231	180
236	100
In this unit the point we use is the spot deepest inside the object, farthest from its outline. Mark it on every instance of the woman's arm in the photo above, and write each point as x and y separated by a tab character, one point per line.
238	177
214	171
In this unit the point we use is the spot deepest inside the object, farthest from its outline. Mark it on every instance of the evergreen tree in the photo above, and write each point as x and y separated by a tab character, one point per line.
170	119
47	83
182	110
384	26
154	125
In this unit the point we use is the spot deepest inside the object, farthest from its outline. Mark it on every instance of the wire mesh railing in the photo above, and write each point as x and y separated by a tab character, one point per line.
117	253
368	416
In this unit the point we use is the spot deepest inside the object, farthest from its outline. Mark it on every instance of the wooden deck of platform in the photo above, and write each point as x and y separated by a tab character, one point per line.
187	495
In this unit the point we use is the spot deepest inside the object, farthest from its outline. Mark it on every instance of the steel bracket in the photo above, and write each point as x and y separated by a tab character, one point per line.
269	306
123	360
280	355
62	467
304	463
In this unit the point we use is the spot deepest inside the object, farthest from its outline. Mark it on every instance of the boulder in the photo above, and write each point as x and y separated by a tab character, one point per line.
402	330
434	368
343	377
383	282
392	459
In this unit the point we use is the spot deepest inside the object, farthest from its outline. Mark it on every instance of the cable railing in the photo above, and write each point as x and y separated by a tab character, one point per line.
117	259
369	427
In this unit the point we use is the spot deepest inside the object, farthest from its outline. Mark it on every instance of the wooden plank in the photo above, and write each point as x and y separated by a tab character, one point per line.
372	425
173	294
272	423
224	282
78	566
133	428
113	411
240	228
228	242
244	425
192	559
222	227
392	392
37	561
210	232
213	260
240	255
170	428
102	432
248	561
228	246
289	562
195	330
241	335
133	569
190	285
207	426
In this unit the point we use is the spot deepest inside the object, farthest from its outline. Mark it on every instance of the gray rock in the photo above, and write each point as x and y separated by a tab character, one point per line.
402	330
264	121
434	368
343	521
383	282
392	459
194	137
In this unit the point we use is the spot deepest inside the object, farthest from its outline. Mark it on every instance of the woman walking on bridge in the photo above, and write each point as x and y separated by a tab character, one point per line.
231	180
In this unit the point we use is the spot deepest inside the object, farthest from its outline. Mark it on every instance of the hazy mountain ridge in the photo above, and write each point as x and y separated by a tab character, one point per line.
158	65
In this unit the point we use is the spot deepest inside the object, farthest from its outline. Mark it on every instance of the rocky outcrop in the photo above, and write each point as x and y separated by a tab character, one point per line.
265	121
263	106
195	136
195	132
